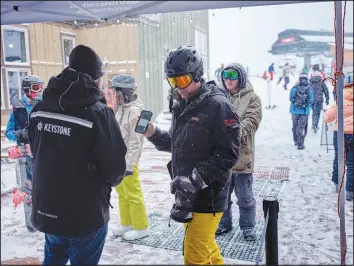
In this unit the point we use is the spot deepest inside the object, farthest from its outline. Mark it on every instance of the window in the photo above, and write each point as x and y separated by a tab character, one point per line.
15	43
14	80
2	94
68	44
201	44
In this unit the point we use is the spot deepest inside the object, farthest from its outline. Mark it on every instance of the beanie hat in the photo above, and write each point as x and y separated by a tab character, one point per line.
303	75
85	60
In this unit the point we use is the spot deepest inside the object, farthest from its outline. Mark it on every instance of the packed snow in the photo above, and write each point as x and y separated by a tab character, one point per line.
308	220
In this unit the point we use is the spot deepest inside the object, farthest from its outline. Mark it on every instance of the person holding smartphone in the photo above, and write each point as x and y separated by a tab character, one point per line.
204	142
133	217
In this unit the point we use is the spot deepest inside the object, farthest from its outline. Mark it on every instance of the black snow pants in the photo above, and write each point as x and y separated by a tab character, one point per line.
299	129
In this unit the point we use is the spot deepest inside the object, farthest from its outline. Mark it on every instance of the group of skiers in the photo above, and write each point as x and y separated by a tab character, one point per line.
308	94
81	148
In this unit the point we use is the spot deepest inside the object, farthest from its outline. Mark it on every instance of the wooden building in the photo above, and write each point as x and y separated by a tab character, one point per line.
136	46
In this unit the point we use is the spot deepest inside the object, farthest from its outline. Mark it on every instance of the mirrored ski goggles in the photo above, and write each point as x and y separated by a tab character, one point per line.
231	75
36	87
180	82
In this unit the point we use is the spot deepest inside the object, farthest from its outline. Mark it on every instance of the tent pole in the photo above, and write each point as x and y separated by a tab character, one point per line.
340	137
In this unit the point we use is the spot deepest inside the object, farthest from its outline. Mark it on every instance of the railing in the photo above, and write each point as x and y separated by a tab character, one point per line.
270	232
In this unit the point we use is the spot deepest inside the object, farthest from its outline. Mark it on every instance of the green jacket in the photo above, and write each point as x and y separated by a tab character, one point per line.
249	110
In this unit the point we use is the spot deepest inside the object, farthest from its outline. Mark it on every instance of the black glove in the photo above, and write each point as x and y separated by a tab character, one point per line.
327	102
21	134
128	173
181	211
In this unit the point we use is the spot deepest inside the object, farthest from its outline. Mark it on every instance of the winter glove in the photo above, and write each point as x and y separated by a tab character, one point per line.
190	185
327	102
181	211
21	134
127	173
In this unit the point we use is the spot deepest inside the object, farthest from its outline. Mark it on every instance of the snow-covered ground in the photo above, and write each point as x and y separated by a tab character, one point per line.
308	220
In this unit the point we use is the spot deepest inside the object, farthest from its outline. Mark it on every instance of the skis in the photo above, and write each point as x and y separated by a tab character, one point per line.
22	155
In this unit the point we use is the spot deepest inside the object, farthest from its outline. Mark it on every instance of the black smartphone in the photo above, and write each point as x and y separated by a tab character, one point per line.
144	119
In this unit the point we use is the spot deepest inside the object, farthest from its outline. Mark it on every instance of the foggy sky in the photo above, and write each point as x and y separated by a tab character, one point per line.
246	35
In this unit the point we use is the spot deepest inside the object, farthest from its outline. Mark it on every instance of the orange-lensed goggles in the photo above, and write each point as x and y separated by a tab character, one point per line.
180	82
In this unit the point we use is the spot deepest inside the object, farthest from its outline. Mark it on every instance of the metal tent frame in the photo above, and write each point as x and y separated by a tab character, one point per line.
17	12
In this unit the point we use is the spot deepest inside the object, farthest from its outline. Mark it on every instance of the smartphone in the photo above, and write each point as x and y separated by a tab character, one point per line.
144	119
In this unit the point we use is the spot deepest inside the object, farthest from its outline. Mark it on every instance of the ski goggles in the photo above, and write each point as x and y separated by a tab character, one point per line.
180	82
36	87
231	75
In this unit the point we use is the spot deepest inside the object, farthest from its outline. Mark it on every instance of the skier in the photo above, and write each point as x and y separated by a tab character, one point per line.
78	156
285	76
249	109
204	142
17	130
271	71
218	72
133	217
301	99
331	115
319	89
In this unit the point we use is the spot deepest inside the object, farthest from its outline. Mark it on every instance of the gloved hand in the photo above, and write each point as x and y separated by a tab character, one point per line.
327	102
188	185
127	173
181	211
21	134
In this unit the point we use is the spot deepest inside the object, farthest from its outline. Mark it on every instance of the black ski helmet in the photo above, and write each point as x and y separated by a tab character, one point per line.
241	72
126	84
184	60
28	81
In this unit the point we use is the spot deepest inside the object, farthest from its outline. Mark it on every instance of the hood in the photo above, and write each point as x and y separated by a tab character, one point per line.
316	79
71	90
241	71
137	102
348	94
242	92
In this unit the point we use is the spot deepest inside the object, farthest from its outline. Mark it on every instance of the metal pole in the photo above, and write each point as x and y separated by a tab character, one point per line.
271	207
340	136
268	87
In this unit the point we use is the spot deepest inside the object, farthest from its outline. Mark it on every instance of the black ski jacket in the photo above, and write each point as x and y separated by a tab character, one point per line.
205	135
78	153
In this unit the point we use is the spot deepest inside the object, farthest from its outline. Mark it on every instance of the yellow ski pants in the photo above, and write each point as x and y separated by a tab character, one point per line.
200	247
131	202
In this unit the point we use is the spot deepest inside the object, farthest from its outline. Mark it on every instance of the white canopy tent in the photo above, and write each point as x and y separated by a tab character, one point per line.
18	12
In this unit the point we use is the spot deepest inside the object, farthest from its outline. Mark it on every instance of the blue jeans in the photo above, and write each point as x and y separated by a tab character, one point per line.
348	144
81	250
242	184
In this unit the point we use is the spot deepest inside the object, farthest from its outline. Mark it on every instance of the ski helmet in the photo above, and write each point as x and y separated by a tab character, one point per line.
348	80
184	60
32	86
126	84
241	73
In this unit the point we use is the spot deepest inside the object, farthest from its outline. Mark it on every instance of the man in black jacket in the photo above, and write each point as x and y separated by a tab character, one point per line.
79	154
204	142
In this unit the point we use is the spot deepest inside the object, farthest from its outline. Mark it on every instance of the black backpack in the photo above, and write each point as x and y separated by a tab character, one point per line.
300	99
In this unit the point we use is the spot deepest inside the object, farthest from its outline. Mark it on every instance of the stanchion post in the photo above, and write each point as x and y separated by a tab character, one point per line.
271	207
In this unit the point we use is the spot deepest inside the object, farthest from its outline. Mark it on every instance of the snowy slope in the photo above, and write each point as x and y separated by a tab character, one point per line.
308	221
